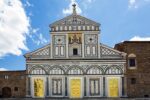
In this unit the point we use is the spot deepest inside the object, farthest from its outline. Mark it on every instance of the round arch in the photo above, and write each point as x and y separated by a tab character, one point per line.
37	70
114	70
56	70
6	92
75	70
94	70
131	55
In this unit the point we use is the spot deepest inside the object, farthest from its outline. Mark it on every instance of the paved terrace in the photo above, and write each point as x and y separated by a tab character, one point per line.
75	99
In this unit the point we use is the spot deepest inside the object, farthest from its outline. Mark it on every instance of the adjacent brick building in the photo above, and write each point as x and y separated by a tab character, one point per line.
12	83
138	67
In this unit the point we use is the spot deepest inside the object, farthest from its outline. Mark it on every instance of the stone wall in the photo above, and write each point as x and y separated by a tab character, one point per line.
141	73
12	83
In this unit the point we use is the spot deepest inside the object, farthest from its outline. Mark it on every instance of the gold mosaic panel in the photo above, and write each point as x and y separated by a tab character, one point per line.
75	38
75	88
38	88
113	87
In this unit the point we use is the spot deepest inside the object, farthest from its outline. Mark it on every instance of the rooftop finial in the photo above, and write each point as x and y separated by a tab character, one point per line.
74	9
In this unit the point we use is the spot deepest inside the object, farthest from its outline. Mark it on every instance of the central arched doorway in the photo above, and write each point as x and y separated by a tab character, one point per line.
6	92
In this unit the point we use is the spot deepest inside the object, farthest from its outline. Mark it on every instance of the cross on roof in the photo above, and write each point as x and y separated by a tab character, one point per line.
74	9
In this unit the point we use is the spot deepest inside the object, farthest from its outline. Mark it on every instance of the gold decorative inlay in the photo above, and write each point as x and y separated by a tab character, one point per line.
75	87
38	88
75	38
113	87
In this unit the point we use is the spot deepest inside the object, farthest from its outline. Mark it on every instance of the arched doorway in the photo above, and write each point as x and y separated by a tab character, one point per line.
6	92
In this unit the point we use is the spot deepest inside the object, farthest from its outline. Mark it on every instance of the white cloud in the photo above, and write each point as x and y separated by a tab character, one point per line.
69	9
35	30
3	69
28	4
87	3
14	27
134	4
37	37
138	38
40	40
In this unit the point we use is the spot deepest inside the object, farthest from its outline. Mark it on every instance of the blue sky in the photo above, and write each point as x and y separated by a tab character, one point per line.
24	25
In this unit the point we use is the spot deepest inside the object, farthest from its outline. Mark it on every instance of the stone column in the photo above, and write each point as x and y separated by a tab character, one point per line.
104	87
67	49
98	44
85	86
122	78
51	46
47	86
66	86
82	45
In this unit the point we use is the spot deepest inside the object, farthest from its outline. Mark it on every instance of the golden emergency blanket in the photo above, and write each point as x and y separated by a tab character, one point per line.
38	88
75	88
113	87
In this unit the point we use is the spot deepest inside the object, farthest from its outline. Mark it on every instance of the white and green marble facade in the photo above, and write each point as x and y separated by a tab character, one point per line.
94	64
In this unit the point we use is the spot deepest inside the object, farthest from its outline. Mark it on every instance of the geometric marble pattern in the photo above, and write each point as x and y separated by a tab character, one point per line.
75	51
107	51
94	70
115	69
74	21
43	52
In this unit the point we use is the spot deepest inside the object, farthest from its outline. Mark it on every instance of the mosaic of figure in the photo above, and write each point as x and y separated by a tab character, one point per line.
38	88
75	38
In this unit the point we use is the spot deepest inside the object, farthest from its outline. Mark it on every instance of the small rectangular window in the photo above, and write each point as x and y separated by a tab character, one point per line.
56	28
97	28
65	27
132	62
92	27
88	27
83	27
16	89
6	77
93	50
61	28
79	27
94	87
56	51
57	86
75	51
74	27
70	27
88	50
62	50
133	80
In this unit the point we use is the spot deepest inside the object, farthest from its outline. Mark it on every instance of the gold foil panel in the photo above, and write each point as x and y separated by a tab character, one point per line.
113	87
38	88
75	88
75	38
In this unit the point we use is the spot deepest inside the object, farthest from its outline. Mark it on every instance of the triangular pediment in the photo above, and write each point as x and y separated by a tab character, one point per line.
74	20
108	52
39	53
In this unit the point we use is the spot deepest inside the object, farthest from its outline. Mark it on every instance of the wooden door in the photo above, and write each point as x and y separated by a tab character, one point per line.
6	92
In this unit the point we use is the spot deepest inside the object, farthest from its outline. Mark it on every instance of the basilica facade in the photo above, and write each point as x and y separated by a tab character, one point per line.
75	64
